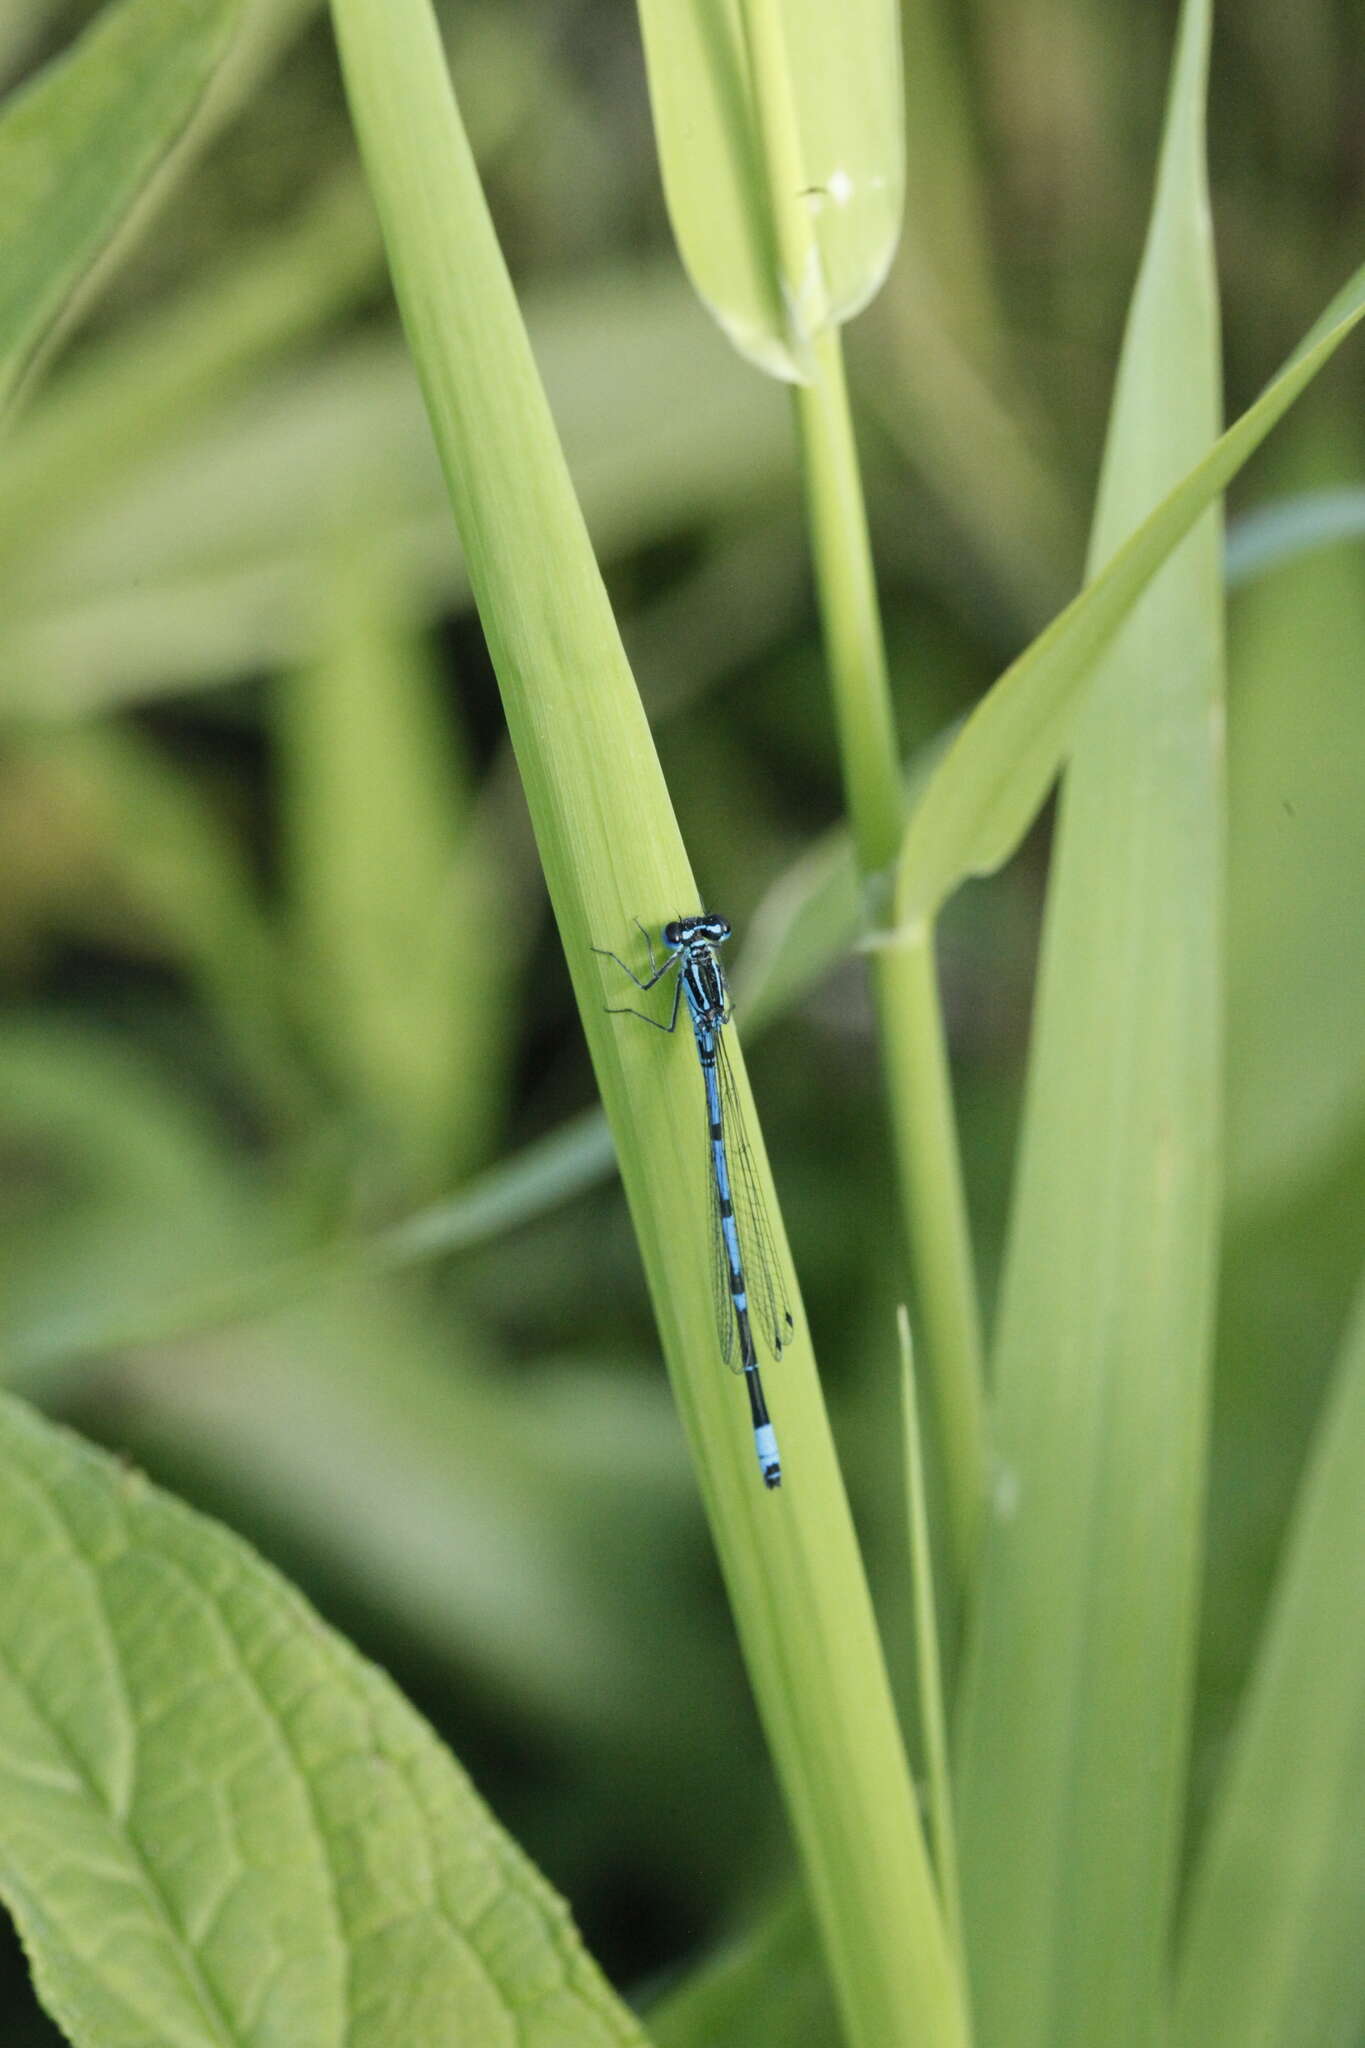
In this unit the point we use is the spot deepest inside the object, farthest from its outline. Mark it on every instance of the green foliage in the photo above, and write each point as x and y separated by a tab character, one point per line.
300	1207
1102	1354
993	780
781	141
77	148
222	1825
1270	1954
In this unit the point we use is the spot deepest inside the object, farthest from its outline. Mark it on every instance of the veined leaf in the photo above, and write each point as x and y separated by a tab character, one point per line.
1272	1955
1076	1694
218	1824
780	133
78	145
996	776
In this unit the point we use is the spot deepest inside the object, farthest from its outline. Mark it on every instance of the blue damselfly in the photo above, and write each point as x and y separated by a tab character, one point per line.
743	1247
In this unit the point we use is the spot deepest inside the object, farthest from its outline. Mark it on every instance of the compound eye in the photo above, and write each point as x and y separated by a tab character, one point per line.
672	934
721	927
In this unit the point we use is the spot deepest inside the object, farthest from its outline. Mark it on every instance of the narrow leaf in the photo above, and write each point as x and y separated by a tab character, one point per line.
1286	528
392	889
218	1824
764	1989
79	144
611	851
928	1663
1272	1954
996	776
780	133
1296	767
1076	1693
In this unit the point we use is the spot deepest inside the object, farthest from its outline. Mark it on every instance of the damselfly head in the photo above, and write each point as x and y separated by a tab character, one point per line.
684	931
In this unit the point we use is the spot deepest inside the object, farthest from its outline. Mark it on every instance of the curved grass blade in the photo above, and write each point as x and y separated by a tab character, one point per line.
997	774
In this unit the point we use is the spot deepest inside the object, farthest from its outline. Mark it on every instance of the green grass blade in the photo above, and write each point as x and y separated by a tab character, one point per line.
77	147
996	776
1272	1956
807	921
218	1824
1300	523
121	401
137	835
780	135
392	889
928	1662
764	1990
1076	1692
611	852
1296	762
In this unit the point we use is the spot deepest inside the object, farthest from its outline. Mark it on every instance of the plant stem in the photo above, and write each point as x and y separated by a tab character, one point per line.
852	623
932	1204
924	1133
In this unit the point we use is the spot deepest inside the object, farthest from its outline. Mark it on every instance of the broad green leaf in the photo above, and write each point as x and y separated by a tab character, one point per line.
1296	768
996	776
611	851
1076	1692
78	145
392	886
479	1520
1272	1956
218	1824
780	135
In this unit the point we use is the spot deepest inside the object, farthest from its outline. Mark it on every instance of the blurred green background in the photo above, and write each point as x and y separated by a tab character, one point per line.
277	969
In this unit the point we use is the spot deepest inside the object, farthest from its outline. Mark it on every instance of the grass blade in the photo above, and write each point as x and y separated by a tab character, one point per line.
1299	524
1296	756
1076	1691
611	852
996	776
764	1990
393	892
1272	1953
928	1663
78	146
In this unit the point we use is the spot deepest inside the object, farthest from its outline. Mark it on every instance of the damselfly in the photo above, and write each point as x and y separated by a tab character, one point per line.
742	1236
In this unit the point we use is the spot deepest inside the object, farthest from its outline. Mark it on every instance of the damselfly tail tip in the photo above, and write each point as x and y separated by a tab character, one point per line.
769	1464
